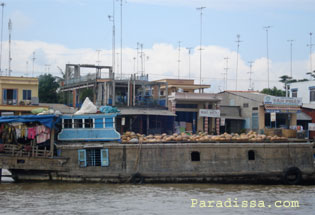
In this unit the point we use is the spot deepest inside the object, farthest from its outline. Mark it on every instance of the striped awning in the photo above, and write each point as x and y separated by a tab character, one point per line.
282	109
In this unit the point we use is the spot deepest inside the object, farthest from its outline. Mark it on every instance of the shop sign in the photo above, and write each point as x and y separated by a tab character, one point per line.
209	113
123	121
222	122
311	126
273	117
273	100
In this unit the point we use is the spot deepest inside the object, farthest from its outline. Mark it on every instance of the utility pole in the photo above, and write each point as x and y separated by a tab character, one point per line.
267	44
134	65
98	57
2	5
112	19
121	38
290	41
178	59
311	46
138	44
226	69
33	59
250	75
26	68
189	52
200	9
238	41
10	58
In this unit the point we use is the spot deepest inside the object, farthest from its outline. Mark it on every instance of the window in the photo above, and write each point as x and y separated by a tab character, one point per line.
109	123
99	123
93	157
78	123
88	123
255	121
67	123
255	108
9	96
312	94
294	93
245	105
195	156
251	155
186	106
161	93
27	94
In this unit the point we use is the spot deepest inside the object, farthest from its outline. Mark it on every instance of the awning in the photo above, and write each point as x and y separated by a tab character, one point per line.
282	109
47	120
303	116
139	111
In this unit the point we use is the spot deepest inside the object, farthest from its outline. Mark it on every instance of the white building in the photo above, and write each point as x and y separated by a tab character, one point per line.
304	90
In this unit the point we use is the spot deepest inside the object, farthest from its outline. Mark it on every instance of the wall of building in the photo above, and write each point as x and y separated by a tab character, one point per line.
20	84
246	111
303	90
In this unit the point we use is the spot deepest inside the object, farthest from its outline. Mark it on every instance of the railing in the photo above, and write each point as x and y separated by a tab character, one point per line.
25	151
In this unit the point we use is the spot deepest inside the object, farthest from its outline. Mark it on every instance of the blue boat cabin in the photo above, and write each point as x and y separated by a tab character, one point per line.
89	127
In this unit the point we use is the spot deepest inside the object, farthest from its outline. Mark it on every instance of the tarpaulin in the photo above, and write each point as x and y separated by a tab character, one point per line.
47	120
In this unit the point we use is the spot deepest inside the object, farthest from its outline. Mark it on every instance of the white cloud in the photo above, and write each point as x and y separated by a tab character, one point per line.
161	61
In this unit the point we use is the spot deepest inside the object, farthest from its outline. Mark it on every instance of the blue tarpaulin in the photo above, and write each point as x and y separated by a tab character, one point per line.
47	120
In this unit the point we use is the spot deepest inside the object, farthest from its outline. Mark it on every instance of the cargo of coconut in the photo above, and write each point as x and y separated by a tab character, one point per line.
132	137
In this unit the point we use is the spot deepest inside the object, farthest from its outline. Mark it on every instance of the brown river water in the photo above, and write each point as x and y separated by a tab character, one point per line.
82	198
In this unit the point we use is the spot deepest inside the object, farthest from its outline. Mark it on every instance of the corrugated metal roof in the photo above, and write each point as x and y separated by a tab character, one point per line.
252	95
309	106
64	109
142	111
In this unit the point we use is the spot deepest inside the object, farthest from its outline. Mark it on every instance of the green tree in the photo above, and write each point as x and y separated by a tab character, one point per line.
87	92
273	91
47	89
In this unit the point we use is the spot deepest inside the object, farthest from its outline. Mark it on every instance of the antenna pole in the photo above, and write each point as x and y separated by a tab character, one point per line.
250	75
200	9
238	46
311	46
290	41
33	59
267	44
10	58
178	59
2	5
189	52
226	72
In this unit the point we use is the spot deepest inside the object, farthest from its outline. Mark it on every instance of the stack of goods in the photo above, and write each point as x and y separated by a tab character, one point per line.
132	137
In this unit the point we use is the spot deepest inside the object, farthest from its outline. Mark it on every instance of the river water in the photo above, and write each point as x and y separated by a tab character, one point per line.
77	198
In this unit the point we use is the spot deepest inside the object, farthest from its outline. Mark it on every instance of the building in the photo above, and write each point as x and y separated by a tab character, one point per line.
263	111
19	95
195	111
142	108
304	90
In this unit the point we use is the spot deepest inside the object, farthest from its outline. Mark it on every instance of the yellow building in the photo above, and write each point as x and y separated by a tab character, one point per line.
17	93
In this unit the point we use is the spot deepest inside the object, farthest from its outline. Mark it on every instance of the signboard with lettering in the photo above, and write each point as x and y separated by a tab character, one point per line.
209	113
273	117
273	100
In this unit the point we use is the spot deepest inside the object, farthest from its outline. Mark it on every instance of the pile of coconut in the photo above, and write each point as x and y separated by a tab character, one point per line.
132	137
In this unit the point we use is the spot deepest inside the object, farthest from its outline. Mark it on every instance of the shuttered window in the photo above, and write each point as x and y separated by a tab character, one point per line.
82	157
109	123
104	157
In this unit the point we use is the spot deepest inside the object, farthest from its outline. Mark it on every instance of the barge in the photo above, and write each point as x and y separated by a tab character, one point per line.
108	160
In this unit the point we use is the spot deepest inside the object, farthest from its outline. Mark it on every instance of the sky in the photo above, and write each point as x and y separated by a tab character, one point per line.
71	31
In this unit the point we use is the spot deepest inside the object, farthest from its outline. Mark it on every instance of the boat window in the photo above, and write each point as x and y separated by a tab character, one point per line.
78	123
195	156
67	123
88	123
251	155
99	123
109	123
